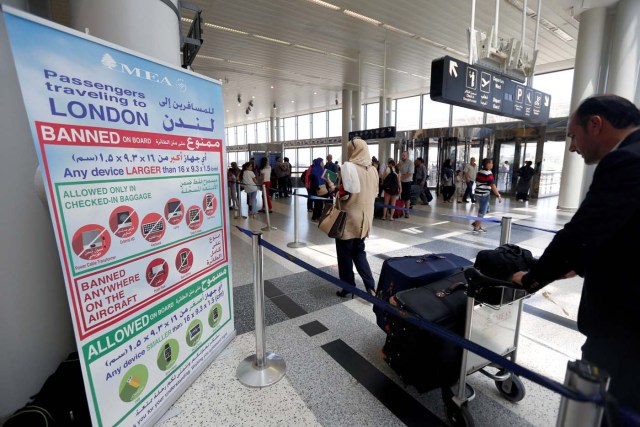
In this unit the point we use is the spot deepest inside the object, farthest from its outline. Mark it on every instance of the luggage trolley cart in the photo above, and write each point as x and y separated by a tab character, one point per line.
493	313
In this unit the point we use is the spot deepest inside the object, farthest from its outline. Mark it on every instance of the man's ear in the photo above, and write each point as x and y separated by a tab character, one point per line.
595	123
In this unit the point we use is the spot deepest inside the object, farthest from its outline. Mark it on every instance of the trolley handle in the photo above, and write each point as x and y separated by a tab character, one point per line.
478	281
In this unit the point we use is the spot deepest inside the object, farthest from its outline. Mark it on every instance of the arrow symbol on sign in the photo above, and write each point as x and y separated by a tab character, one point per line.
546	100
484	82
452	69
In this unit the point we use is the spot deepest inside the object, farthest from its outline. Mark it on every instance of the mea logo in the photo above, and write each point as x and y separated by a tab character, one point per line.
112	64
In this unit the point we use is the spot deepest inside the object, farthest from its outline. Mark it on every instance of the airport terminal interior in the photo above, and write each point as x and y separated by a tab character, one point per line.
336	374
298	78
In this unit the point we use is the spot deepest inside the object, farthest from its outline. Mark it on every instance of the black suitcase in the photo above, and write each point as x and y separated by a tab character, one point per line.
419	357
408	272
378	209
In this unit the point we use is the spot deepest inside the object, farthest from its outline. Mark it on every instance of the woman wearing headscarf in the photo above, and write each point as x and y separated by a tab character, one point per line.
315	182
357	195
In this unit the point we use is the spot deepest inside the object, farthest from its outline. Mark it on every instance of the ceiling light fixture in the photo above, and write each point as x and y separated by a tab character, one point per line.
312	49
239	98
397	30
272	88
271	39
325	4
227	29
361	17
274	106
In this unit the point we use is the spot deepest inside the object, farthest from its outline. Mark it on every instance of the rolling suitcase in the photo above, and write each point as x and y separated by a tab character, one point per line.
419	357
378	210
399	213
408	272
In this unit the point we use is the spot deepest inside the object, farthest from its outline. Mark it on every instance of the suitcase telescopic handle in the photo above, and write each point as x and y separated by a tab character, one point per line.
478	281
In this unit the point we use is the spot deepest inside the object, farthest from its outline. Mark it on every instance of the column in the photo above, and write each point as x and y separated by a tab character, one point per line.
381	116
272	128
356	110
346	121
151	27
588	68
625	50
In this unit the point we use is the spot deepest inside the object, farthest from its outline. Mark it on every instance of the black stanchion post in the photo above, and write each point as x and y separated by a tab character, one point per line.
295	243
263	368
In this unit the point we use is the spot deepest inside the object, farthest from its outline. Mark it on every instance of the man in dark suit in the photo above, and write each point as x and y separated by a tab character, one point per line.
604	130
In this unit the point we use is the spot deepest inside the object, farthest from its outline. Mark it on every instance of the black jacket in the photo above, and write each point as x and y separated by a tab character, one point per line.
600	244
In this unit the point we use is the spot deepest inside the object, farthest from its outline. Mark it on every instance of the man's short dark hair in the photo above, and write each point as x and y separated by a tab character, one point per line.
286	159
618	111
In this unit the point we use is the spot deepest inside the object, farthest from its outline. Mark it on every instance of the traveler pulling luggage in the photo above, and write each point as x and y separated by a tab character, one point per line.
407	272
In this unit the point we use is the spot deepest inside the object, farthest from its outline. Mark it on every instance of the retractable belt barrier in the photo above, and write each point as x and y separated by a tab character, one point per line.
437	330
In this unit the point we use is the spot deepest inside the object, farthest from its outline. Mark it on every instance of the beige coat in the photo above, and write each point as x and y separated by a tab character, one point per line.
359	206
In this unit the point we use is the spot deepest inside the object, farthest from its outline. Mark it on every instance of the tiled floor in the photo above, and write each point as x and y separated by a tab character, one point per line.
332	347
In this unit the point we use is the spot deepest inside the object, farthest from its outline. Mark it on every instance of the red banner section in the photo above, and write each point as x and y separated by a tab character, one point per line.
73	135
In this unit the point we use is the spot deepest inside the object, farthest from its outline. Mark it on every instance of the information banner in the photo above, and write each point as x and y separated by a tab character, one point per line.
131	152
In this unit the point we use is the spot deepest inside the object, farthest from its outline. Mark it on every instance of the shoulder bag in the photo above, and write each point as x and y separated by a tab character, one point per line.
333	220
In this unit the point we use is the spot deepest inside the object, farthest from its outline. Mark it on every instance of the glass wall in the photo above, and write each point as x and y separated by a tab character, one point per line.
289	129
335	122
231	137
408	113
241	135
251	133
319	125
304	127
434	114
262	129
373	116
466	116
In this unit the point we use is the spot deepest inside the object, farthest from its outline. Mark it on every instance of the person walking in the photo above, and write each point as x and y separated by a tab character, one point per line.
594	244
406	169
420	178
249	181
448	183
232	181
485	185
525	179
470	172
357	194
317	188
391	186
265	179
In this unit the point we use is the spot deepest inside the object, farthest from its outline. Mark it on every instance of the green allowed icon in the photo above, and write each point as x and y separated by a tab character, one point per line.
215	315
194	332
168	354
133	382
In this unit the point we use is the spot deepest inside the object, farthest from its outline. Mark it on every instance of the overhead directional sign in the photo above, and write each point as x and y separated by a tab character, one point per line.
471	86
379	133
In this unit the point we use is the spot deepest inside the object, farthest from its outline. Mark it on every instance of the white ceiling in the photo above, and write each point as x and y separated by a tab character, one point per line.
327	50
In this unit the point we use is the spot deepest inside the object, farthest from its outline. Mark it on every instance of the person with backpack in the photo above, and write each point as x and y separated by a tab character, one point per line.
391	186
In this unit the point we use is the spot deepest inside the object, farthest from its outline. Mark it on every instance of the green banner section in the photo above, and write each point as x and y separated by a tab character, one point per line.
158	313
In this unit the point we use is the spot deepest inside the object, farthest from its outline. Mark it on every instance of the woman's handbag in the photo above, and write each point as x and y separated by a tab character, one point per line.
322	190
332	221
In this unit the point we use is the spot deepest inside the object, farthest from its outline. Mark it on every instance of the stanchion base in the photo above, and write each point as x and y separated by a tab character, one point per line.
250	375
268	228
296	245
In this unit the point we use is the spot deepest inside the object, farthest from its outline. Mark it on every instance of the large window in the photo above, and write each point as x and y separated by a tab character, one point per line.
335	122
408	113
263	132
466	116
304	127
319	125
434	114
559	86
289	129
373	116
241	135
231	139
251	133
304	158
319	152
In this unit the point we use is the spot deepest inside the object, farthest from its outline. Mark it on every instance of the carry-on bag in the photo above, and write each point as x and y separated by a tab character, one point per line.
399	273
419	357
378	210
